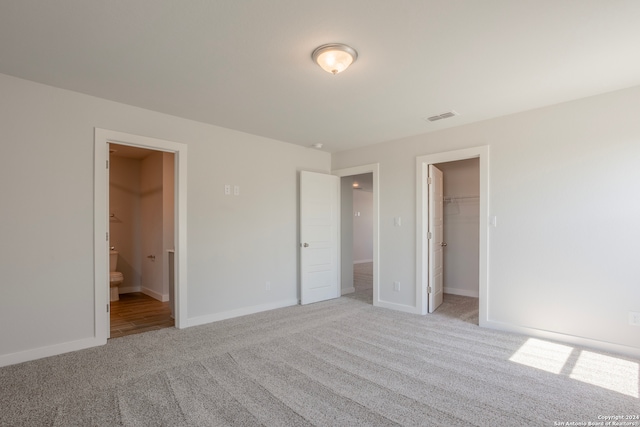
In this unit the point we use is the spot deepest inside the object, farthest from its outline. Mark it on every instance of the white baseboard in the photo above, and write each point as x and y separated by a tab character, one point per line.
362	261
347	290
52	350
210	318
461	292
397	307
128	289
155	295
569	339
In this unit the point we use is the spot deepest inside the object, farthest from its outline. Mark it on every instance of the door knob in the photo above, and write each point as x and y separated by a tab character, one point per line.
305	245
443	244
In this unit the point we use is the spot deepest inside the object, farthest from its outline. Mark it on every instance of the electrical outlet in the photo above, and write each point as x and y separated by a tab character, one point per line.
634	318
396	286
236	190
267	286
227	189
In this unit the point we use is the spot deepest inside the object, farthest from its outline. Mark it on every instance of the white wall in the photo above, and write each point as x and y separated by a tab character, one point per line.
461	181
124	226
362	226
563	183
152	225
46	182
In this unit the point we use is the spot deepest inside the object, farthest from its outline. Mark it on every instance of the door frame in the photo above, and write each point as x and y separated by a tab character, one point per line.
102	139
422	222
374	169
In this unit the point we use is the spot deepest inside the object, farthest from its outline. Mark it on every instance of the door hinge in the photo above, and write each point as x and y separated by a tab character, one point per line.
428	289
429	235
107	164
107	308
107	233
429	180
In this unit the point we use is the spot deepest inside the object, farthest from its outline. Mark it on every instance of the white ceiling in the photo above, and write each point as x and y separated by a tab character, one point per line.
246	64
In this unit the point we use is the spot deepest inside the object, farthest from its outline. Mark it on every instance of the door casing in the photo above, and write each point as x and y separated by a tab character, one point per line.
422	222
102	139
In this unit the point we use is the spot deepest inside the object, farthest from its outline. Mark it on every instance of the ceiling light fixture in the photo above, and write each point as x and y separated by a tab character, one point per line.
317	145
334	58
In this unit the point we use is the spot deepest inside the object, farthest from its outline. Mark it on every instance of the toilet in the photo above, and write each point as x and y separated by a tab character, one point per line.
115	277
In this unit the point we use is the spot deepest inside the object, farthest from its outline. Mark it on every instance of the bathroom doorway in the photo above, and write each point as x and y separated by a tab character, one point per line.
141	236
102	140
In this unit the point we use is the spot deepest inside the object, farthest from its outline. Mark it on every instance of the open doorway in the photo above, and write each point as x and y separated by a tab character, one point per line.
424	272
357	232
102	140
141	238
359	226
461	237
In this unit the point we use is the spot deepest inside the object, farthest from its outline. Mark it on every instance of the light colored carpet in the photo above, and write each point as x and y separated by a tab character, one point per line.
363	276
336	363
362	282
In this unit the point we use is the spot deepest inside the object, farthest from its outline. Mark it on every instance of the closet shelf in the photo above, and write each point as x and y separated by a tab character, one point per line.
453	199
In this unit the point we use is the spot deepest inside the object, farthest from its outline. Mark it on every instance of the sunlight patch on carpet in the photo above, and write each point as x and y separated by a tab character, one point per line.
607	372
544	355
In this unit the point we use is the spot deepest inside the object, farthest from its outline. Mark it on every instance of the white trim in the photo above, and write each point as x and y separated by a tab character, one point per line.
210	318
128	289
568	339
52	350
398	307
374	169
346	291
461	292
102	138
155	295
422	165
102	295
363	261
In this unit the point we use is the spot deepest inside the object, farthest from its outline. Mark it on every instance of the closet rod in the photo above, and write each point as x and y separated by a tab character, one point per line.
456	198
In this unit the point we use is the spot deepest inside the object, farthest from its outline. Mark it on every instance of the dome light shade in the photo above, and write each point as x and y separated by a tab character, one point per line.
334	58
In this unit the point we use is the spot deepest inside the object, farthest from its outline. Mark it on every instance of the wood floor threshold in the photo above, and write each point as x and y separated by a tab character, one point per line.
136	313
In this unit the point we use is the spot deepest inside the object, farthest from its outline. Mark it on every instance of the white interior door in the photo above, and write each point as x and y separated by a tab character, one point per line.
436	237
319	237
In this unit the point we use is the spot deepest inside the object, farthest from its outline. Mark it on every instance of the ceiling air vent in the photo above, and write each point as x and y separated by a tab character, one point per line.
442	116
